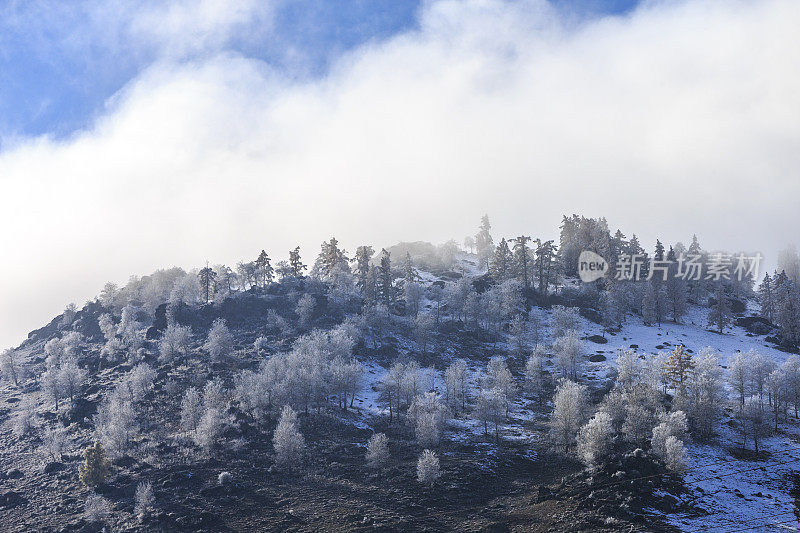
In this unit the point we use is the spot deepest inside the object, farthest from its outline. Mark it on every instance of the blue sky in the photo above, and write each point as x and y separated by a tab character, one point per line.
52	85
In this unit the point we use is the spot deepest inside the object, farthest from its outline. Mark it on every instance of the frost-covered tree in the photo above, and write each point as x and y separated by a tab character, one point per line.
501	266
569	413
209	429
705	393
288	441
678	367
776	385
428	415
377	451
672	425
424	325
595	439
760	367
51	384
428	469
564	319
25	420
490	408
675	455
534	372
116	422
191	409
296	266
9	366
456	385
305	309
219	342
791	370
71	376
568	354
54	442
499	377
642	410
630	370
522	260
174	342
144	500
484	243
412	294
739	376
753	421
520	334
207	277
766	297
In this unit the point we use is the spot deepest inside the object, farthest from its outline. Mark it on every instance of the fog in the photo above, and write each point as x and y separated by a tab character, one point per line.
680	118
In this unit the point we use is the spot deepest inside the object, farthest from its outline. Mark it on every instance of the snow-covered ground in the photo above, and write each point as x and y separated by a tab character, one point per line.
735	493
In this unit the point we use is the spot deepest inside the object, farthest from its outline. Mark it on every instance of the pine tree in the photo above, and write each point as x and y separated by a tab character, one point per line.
94	469
522	260
767	298
385	279
675	288
296	266
500	267
362	259
264	270
410	274
720	315
544	264
484	243
678	368
207	277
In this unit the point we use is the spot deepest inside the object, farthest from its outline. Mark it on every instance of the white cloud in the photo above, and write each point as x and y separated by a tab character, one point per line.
680	118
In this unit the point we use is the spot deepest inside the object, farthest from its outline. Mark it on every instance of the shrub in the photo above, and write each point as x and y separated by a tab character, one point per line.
225	478
97	508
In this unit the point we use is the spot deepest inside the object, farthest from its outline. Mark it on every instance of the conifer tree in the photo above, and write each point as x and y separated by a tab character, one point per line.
767	298
522	260
207	277
94	469
500	267
484	243
264	270
296	266
363	256
385	279
544	264
678	367
720	315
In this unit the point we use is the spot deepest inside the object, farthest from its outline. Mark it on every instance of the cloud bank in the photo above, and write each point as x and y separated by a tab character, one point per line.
678	118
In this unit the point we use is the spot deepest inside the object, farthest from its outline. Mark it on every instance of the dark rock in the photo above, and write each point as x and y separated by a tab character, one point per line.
11	499
599	339
14	473
597	358
53	466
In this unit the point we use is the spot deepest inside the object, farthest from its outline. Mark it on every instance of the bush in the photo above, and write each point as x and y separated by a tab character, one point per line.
94	469
96	509
225	478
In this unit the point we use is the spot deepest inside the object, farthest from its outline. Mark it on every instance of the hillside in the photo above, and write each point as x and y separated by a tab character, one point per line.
500	466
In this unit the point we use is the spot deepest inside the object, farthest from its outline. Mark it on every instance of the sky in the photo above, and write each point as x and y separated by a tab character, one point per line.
148	134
